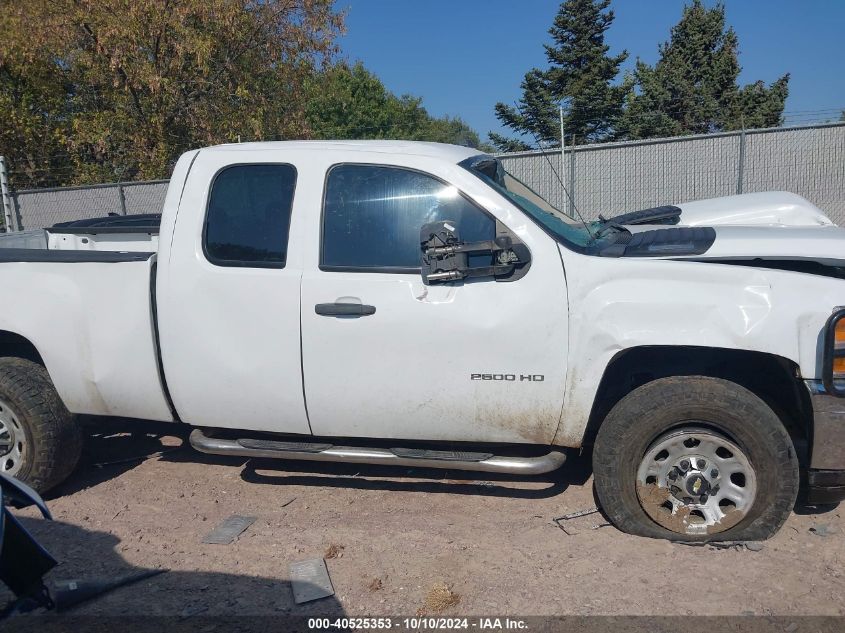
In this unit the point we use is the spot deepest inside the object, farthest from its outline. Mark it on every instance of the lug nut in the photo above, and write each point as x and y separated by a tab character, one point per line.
702	464
714	473
703	498
672	475
684	465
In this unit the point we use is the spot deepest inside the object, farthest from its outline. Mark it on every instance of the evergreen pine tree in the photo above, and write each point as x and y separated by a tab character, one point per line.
692	89
580	77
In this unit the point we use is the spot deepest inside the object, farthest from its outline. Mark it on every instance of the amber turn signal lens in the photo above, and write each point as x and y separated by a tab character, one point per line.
839	346
839	333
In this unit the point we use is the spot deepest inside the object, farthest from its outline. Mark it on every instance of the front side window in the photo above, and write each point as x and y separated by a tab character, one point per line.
249	216
373	215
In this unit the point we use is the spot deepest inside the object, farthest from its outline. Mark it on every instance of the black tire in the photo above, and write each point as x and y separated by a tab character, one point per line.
53	441
654	409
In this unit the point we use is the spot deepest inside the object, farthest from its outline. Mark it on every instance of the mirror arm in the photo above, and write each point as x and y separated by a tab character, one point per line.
486	246
480	271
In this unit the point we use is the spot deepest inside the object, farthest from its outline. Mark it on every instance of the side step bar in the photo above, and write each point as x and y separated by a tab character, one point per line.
310	451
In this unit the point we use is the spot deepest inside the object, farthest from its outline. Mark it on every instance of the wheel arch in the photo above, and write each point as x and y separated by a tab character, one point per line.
774	379
16	346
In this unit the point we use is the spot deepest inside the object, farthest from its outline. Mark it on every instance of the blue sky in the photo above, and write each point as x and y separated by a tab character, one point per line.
462	56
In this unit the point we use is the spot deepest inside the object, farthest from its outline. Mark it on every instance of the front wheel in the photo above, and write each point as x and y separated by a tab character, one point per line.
695	458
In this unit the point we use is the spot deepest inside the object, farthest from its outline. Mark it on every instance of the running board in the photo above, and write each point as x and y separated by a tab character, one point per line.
310	451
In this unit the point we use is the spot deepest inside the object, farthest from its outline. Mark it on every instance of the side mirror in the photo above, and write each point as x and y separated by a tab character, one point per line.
441	261
444	257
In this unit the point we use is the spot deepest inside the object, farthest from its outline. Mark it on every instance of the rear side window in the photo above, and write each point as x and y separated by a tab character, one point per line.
248	216
373	215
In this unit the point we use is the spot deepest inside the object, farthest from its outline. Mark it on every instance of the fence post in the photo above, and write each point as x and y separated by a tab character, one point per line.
7	199
740	170
562	141
572	178
122	198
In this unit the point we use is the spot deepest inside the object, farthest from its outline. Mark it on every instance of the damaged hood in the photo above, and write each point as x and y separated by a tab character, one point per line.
770	208
823	245
772	226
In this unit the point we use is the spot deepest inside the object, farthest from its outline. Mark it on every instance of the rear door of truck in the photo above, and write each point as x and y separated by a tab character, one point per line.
228	294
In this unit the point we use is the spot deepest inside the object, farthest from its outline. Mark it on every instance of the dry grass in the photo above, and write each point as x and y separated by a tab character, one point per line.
334	551
439	598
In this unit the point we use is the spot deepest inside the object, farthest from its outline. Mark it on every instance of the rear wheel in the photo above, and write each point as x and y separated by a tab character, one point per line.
14	441
695	458
40	441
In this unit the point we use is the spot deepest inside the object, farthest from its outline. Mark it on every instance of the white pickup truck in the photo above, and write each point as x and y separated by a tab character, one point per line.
414	304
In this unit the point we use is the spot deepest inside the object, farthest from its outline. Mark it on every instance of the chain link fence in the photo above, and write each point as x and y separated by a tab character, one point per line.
613	178
609	178
40	208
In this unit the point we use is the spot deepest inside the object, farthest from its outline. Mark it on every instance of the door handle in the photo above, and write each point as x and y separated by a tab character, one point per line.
344	309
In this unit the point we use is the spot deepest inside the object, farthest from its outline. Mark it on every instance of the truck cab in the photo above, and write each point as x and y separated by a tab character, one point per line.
290	239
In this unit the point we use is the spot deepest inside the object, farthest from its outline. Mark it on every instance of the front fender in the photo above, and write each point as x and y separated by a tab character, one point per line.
618	304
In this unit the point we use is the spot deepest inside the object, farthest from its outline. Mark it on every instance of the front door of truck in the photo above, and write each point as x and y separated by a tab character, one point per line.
386	356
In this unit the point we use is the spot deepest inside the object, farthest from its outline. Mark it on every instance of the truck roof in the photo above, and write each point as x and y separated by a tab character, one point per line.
451	153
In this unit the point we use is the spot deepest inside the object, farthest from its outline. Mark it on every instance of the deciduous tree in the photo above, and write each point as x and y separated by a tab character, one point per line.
348	101
127	85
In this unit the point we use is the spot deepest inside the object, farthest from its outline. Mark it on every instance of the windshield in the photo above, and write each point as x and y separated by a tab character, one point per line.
555	221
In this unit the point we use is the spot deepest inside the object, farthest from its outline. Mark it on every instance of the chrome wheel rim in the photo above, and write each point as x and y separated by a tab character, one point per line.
696	481
13	444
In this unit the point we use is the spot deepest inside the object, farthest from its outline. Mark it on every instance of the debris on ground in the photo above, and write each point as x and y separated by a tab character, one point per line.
309	580
439	598
334	551
287	503
823	529
375	584
69	593
576	515
751	546
228	530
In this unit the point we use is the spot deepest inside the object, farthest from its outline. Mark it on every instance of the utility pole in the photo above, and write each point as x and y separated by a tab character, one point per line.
7	199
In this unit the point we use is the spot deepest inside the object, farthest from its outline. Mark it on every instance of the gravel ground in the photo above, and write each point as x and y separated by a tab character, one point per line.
399	542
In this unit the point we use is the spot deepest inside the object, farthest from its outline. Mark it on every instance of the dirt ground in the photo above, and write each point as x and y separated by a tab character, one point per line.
399	542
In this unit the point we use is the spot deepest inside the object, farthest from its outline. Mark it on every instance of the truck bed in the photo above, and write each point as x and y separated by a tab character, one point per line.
133	233
89	315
